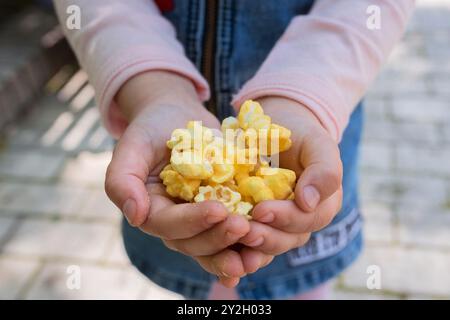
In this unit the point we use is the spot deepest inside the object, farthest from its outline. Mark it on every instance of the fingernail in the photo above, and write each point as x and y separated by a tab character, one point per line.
214	219
267	218
257	242
312	196
129	210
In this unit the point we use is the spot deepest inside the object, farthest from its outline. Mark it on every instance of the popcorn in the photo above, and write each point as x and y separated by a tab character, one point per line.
190	165
232	167
280	181
178	186
255	188
230	199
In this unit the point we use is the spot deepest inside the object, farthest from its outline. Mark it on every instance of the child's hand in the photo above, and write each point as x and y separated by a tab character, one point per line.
279	226
201	230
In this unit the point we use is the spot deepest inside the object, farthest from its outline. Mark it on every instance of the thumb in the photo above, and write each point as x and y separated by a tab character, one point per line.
132	160
322	174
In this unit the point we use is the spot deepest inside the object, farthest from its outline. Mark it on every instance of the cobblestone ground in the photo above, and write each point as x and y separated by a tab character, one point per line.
54	213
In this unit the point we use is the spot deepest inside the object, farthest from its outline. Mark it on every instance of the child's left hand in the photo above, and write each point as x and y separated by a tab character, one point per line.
281	225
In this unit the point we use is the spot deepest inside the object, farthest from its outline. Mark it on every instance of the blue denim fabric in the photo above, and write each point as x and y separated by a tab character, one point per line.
246	31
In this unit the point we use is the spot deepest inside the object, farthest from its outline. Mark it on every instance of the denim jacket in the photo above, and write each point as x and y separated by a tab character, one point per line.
228	40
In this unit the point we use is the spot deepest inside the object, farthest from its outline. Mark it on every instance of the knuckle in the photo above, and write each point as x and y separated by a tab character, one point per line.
274	247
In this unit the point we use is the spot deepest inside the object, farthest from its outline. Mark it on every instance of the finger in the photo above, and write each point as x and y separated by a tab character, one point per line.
322	174
213	240
272	241
182	221
229	282
226	264
253	259
126	176
286	216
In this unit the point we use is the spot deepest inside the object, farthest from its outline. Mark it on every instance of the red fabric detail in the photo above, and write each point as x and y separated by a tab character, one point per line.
165	5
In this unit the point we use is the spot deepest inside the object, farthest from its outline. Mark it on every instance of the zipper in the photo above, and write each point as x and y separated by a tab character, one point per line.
209	51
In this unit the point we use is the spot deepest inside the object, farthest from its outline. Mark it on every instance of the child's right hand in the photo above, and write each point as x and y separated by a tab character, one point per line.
201	230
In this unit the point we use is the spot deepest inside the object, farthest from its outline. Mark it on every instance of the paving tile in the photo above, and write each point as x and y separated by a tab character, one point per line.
38	238
87	169
96	282
37	199
32	164
404	270
14	275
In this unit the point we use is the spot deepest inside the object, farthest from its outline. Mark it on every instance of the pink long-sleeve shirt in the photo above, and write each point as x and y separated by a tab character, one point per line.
325	60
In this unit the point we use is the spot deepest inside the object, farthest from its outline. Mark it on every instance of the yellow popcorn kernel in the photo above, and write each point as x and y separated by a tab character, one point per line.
242	171
205	193
259	122
223	169
248	112
180	136
198	131
228	197
243	208
222	173
191	164
280	181
177	186
229	123
255	188
284	137
265	170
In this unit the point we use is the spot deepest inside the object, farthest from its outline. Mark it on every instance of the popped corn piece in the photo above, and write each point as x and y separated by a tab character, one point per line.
223	169
256	188
249	111
180	136
242	171
284	138
228	197
280	181
222	173
205	133
190	164
243	208
205	193
229	123
178	186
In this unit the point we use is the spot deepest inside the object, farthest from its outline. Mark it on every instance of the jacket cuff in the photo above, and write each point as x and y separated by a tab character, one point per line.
130	63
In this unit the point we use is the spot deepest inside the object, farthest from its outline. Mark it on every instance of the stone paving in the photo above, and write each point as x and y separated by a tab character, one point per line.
54	213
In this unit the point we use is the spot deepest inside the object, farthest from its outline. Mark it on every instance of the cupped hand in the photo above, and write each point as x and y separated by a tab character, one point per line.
281	225
204	230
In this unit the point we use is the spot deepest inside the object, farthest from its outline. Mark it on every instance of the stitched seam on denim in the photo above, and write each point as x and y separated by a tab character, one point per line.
333	267
328	241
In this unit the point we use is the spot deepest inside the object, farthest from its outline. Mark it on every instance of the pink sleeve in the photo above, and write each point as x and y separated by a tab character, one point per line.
119	39
327	59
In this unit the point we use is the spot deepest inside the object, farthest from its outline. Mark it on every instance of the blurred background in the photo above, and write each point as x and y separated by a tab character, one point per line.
54	152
